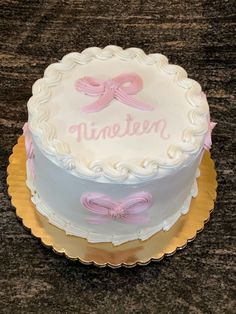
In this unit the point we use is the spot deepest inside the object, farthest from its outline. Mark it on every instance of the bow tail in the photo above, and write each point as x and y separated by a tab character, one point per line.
132	101
99	104
135	219
98	220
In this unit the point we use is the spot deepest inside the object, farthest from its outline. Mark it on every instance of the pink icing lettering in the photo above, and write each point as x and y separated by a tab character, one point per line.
116	129
104	133
136	129
129	120
130	128
146	124
157	126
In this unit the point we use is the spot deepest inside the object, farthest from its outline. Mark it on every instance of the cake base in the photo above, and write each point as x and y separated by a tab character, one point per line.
129	254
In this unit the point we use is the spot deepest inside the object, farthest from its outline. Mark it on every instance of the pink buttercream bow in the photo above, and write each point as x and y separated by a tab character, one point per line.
29	149
129	210
120	88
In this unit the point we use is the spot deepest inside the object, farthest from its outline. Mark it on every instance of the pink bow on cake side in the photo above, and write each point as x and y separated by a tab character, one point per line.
29	149
208	140
120	88
129	210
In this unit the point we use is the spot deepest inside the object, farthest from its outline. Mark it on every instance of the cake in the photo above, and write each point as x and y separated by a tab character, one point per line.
114	140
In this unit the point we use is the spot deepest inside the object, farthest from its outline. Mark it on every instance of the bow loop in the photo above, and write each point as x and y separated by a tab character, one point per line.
130	83
137	203
90	86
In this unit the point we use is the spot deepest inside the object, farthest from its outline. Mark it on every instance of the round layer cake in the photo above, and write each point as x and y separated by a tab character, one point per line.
114	140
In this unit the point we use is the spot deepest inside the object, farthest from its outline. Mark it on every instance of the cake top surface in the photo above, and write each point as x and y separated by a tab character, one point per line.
118	114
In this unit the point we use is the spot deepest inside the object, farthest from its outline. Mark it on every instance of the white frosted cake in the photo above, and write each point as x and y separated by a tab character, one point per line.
114	140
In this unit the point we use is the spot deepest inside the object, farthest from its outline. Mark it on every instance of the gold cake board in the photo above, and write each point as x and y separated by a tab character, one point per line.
137	252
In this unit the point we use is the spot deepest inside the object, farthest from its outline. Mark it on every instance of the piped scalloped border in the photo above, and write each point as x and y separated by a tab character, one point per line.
128	254
59	151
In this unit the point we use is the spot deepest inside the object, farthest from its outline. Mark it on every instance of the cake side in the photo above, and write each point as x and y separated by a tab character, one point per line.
58	196
179	122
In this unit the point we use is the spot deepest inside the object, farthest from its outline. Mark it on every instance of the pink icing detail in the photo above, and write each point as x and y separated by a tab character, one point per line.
115	88
130	128
208	140
203	96
29	149
128	210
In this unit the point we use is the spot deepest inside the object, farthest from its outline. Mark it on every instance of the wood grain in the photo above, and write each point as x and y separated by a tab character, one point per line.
198	35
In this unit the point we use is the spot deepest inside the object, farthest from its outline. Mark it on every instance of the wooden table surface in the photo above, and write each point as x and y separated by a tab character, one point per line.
198	35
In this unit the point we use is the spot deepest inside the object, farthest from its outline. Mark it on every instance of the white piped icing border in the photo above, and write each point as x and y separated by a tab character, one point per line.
72	229
59	151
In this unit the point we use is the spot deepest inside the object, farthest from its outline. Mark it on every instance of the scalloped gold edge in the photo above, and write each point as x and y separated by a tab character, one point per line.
208	177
